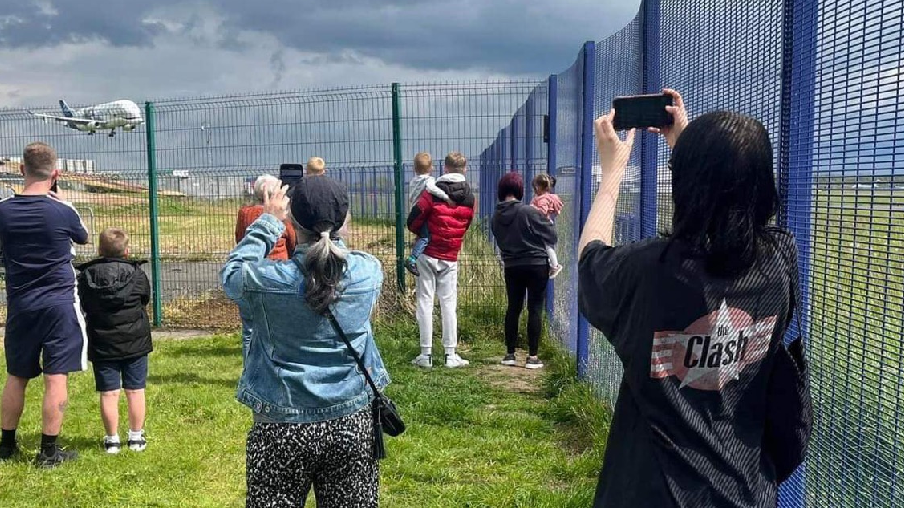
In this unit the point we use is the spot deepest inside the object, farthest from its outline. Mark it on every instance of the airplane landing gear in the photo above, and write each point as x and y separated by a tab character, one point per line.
112	133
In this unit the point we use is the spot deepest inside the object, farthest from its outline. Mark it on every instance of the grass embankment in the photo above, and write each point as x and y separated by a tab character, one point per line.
484	436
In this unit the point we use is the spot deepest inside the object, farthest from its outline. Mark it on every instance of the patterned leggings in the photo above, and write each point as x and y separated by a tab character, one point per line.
284	460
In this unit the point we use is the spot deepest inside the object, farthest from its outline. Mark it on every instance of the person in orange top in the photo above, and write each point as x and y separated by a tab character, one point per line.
248	214
283	249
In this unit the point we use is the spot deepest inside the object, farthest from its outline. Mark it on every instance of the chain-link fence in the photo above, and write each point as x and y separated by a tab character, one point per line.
177	183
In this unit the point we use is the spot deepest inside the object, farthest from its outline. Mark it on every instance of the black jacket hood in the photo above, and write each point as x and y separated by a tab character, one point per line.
113	294
111	280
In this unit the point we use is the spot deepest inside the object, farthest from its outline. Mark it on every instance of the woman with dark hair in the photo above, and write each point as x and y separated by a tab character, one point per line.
697	319
313	425
522	233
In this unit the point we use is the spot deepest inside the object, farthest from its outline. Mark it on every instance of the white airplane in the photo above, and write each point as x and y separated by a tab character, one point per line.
110	115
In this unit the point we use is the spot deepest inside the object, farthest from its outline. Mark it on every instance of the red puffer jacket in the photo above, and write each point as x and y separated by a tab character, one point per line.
447	223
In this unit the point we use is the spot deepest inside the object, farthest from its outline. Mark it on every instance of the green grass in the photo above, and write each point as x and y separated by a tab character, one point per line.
478	437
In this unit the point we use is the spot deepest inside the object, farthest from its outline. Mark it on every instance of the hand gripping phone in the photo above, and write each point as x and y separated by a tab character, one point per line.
290	174
642	111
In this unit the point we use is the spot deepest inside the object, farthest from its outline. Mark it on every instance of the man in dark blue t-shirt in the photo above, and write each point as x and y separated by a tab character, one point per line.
45	331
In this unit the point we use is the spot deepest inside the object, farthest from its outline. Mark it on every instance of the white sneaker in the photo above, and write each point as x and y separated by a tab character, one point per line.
423	361
554	271
137	441
454	361
112	446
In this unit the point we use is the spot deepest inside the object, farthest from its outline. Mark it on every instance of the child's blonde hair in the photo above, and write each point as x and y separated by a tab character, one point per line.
315	166
114	243
423	163
543	182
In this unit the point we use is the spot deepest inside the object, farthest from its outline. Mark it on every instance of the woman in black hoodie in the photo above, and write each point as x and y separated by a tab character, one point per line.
114	292
522	234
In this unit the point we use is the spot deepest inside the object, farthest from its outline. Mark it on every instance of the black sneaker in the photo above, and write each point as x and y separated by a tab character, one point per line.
412	267
8	452
58	457
533	363
508	360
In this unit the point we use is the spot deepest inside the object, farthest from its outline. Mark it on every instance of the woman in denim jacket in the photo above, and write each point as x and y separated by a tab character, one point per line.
311	404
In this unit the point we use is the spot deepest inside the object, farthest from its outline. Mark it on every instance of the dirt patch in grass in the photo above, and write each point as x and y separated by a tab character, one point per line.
515	379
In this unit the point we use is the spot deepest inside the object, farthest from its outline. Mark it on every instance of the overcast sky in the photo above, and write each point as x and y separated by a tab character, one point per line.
99	50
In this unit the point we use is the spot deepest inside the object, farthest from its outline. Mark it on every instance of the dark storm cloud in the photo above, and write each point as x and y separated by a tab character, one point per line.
503	36
28	24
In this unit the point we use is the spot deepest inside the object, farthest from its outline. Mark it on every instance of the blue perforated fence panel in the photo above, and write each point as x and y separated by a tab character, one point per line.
825	79
851	203
618	72
723	55
569	103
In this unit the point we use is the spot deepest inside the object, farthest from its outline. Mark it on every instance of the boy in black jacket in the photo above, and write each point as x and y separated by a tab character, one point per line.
114	292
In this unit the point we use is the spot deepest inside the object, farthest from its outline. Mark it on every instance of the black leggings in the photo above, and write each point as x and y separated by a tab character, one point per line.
518	280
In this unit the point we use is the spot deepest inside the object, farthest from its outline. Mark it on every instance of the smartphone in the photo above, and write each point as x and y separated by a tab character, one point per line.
642	111
290	174
54	188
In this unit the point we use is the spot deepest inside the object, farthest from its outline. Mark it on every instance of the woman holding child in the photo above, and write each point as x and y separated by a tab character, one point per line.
313	426
523	235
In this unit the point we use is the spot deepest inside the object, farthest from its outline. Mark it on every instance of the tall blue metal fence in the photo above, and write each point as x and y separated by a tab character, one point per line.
825	77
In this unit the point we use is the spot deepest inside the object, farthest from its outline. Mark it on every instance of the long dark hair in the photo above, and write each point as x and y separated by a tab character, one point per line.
724	191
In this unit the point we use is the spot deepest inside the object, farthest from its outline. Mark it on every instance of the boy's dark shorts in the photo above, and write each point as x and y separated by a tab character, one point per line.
50	340
111	375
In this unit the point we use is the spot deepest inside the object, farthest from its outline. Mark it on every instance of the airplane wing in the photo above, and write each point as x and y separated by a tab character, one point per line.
65	119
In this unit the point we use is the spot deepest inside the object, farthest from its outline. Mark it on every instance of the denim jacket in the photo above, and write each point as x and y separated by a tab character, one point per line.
297	369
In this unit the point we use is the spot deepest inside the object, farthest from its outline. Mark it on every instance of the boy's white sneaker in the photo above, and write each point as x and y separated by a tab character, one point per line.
454	361
423	361
112	445
137	441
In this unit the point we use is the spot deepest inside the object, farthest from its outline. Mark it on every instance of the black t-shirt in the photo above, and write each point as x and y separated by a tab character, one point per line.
697	353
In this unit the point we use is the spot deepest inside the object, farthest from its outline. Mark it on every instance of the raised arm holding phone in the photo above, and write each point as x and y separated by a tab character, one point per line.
697	318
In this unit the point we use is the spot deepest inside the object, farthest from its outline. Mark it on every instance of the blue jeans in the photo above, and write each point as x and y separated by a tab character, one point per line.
423	238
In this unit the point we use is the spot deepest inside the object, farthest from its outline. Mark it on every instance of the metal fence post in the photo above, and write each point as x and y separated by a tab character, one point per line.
150	120
551	95
652	83
586	178
399	186
800	26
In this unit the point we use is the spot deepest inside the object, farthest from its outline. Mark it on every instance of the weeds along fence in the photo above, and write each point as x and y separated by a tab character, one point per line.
824	76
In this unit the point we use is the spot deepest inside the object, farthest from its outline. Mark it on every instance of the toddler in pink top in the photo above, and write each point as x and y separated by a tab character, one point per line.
549	205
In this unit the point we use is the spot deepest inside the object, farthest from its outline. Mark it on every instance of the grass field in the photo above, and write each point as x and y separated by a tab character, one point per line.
485	436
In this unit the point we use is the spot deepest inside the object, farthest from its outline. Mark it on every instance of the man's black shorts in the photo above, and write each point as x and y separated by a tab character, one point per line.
51	340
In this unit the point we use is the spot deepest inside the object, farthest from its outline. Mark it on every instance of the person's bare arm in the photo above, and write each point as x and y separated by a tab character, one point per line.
614	154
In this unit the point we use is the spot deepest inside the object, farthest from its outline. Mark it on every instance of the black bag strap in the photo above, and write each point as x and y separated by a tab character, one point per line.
332	319
335	324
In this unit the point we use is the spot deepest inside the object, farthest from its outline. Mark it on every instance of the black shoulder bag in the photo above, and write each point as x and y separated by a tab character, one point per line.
385	414
789	406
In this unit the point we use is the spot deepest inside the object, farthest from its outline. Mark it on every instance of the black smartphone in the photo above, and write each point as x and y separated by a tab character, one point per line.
642	111
54	188
290	174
